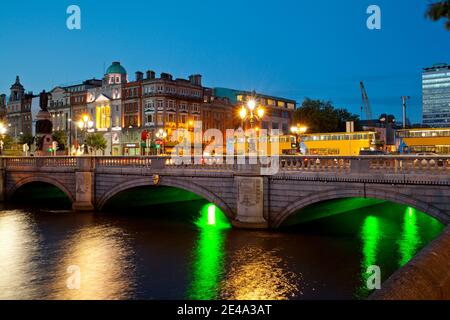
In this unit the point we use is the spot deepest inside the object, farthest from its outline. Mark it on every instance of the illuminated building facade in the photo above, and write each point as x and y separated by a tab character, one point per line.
104	106
125	111
278	111
436	95
171	103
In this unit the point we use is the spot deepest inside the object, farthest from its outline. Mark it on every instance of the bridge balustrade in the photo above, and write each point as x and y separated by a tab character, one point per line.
413	165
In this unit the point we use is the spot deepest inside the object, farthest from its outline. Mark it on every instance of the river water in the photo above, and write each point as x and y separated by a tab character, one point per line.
147	254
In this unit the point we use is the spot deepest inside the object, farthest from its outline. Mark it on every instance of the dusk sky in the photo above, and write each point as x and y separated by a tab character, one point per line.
289	48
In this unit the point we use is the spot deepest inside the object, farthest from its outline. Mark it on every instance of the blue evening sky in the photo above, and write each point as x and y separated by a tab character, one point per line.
290	48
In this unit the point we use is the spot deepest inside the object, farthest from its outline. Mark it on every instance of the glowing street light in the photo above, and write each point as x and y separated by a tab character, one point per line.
298	131
243	113
251	104
85	123
251	111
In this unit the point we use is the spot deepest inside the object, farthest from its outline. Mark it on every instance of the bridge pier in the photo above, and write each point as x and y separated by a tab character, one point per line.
84	185
249	198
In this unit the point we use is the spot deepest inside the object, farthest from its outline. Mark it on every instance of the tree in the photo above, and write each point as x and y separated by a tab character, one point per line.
8	141
439	10
96	141
26	138
61	138
321	116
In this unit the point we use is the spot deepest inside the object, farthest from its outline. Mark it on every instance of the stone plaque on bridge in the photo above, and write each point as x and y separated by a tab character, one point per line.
250	204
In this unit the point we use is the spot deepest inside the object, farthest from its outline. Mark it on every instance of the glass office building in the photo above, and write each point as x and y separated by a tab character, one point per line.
436	95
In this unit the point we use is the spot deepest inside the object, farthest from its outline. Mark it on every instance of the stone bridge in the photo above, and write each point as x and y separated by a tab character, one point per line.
248	197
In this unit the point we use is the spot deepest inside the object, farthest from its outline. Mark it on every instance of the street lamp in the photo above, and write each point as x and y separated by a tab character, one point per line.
3	131
251	112
85	123
298	131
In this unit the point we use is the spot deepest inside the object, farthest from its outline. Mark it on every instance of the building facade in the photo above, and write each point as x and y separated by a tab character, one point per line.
14	110
104	106
278	111
132	114
436	95
59	108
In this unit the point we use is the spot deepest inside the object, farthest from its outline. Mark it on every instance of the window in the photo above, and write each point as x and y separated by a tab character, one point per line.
195	107
149	117
171	117
150	104
159	118
103	117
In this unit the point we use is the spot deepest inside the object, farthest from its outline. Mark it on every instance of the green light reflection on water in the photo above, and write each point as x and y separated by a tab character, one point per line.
208	266
410	238
370	236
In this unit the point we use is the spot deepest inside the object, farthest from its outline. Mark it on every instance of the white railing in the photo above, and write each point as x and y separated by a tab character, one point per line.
338	165
368	164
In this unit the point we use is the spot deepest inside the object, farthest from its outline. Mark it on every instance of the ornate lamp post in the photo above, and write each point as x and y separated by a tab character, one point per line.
85	124
298	131
250	111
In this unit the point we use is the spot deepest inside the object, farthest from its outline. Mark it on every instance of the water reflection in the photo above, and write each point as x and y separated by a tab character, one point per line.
410	238
370	236
258	274
19	256
208	260
137	256
104	259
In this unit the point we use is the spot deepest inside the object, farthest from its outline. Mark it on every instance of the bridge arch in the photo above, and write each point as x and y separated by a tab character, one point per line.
168	182
375	193
47	180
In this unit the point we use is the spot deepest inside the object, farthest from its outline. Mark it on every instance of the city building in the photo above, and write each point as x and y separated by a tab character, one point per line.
436	95
384	127
136	117
14	109
278	111
26	115
2	107
170	104
131	115
59	108
104	106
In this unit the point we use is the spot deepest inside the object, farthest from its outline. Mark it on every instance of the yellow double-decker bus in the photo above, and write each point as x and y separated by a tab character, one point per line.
429	140
339	143
265	145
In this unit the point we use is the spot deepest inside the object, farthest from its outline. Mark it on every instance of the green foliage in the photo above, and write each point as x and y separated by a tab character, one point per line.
61	138
321	116
439	10
8	141
26	138
96	141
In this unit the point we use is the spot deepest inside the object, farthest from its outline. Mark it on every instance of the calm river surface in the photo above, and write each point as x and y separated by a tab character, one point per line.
146	254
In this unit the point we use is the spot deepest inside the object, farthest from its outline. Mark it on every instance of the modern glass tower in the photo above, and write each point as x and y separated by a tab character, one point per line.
436	95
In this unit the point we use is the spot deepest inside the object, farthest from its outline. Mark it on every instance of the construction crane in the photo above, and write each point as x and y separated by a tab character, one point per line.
366	104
